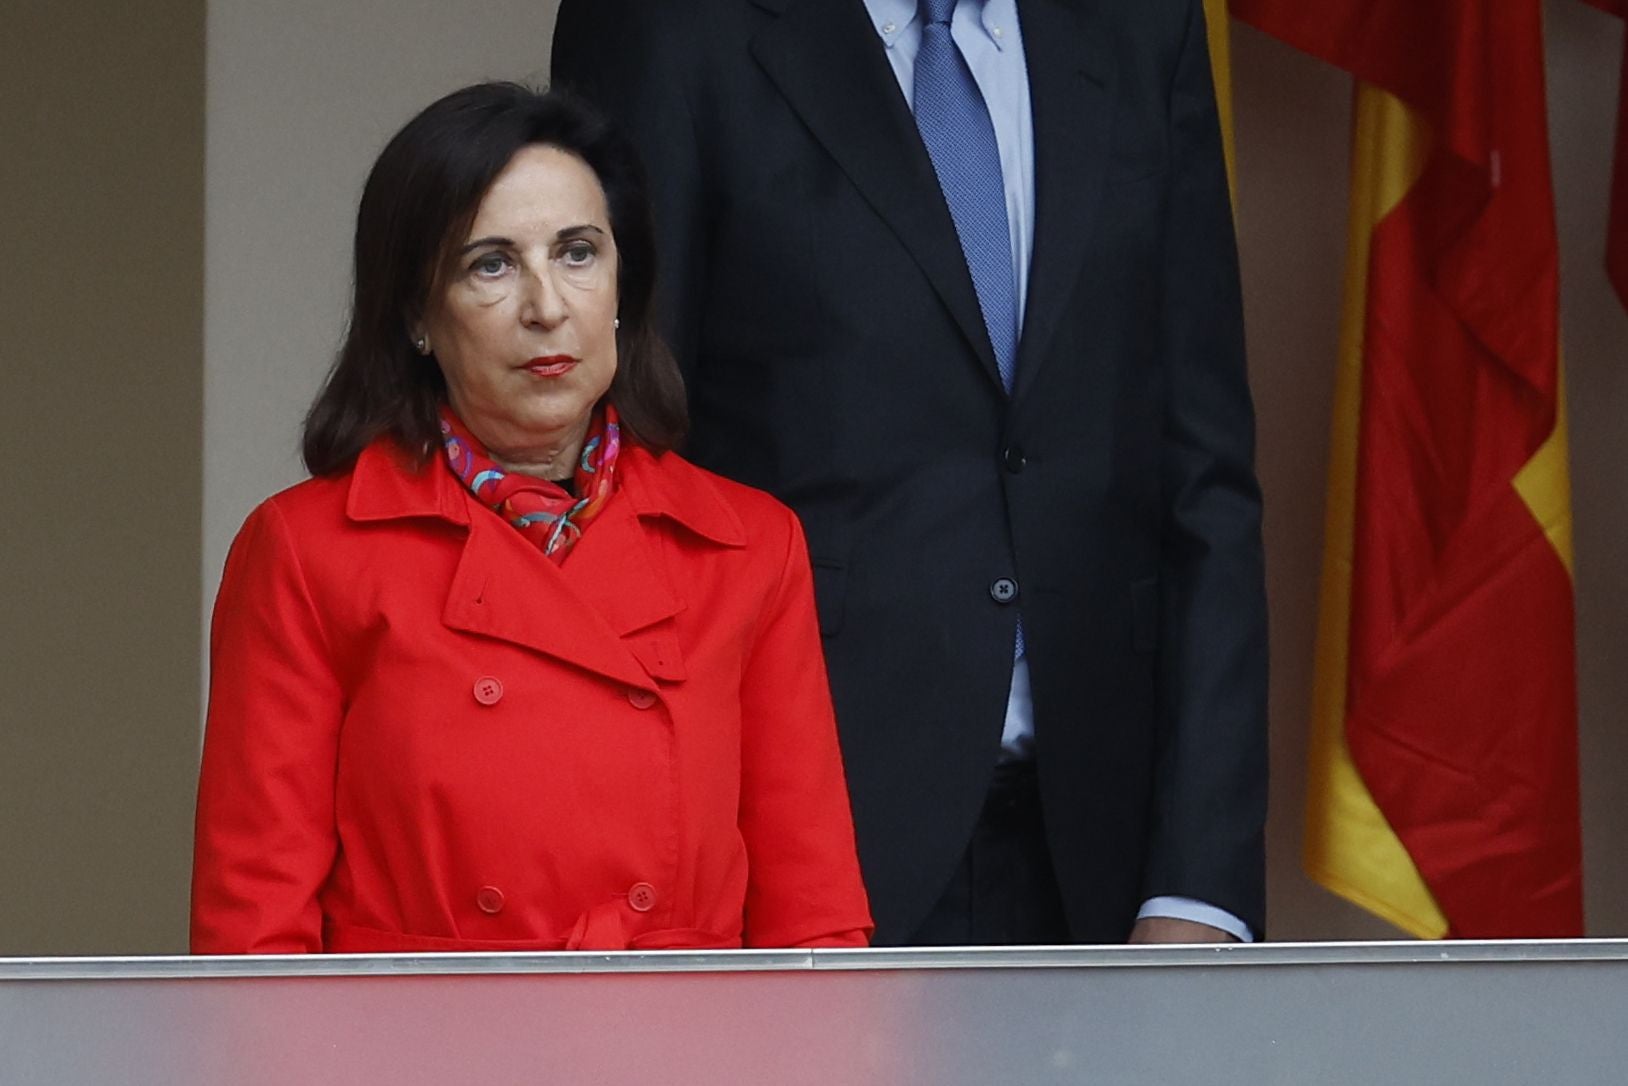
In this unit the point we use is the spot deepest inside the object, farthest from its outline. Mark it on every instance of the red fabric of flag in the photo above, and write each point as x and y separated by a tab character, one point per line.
1461	714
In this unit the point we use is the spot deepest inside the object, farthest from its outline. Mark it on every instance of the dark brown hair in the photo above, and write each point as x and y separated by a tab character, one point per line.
419	200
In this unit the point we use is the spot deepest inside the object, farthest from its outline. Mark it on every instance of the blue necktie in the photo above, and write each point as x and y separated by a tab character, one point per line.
960	138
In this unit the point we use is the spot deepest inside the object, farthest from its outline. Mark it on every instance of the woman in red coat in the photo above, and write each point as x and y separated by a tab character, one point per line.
507	673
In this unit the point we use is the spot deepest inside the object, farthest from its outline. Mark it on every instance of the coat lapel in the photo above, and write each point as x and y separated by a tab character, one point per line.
607	610
619	566
824	57
505	589
617	570
1070	79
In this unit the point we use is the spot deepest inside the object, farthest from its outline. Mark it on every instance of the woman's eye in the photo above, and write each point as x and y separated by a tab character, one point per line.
578	255
490	264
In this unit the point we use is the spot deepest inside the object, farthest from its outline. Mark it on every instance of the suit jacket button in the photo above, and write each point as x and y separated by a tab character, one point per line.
488	691
1013	458
489	900
641	699
642	897
1004	590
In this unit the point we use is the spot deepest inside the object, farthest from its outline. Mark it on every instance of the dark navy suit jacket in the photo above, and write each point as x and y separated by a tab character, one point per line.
820	306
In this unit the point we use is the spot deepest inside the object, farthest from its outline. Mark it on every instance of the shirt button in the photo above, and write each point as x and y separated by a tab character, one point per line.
1004	590
996	31
642	897
488	691
1012	457
489	900
888	28
641	699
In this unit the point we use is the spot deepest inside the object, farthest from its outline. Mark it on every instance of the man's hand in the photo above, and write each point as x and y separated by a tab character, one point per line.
1166	929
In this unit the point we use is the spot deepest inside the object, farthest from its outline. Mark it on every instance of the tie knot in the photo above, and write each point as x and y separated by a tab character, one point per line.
936	11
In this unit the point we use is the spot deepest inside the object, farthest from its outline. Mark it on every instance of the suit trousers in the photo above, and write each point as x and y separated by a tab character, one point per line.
1004	892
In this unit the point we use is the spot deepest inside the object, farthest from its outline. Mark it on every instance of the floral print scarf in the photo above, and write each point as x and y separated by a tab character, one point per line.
541	510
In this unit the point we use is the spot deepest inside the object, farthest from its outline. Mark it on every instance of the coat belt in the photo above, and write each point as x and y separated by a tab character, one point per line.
600	928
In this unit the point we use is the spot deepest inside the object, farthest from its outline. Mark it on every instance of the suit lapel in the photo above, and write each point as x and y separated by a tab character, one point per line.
1070	76
825	58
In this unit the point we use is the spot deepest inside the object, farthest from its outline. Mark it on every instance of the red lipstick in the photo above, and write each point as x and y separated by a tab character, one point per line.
552	365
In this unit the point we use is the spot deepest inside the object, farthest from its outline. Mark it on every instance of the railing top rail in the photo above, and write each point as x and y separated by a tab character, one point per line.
1049	957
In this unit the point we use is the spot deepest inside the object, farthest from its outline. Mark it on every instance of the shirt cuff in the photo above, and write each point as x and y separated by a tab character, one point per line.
1185	908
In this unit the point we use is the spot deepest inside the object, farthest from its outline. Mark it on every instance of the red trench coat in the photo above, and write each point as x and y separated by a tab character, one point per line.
424	735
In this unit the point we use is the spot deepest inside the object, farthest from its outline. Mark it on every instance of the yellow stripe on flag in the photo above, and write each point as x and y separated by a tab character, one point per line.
1544	484
1215	19
1350	848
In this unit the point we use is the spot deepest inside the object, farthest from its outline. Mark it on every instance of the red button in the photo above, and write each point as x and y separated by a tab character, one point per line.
488	691
642	896
489	899
641	699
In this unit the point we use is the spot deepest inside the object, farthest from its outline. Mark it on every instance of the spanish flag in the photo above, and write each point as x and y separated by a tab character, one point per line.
1443	790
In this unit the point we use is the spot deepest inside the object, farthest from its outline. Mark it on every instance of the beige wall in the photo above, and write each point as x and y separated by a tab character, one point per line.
302	96
102	308
101	181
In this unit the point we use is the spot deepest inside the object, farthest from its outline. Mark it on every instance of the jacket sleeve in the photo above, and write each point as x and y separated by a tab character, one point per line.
1210	809
804	886
265	837
636	61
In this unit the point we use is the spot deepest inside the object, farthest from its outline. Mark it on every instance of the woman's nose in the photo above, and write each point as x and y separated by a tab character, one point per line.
544	303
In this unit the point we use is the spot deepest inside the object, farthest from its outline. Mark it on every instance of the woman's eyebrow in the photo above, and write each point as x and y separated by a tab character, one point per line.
578	231
564	233
478	242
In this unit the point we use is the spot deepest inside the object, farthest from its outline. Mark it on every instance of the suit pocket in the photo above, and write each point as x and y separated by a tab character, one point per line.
830	591
1145	614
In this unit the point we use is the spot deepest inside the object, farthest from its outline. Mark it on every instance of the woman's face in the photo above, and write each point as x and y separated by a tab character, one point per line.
522	324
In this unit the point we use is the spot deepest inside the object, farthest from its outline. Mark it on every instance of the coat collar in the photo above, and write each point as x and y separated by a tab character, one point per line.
672	487
609	609
386	484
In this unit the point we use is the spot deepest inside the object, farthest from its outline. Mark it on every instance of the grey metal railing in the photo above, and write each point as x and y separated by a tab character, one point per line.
1514	1012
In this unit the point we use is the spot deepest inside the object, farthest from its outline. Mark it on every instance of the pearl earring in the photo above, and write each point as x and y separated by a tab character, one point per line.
422	344
616	323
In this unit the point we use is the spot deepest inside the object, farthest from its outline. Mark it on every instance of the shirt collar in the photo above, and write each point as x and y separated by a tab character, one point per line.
892	17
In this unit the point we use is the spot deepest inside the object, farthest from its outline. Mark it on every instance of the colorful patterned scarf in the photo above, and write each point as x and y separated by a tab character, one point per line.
542	510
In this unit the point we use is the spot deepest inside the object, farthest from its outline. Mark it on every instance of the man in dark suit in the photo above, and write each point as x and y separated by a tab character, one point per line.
958	283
